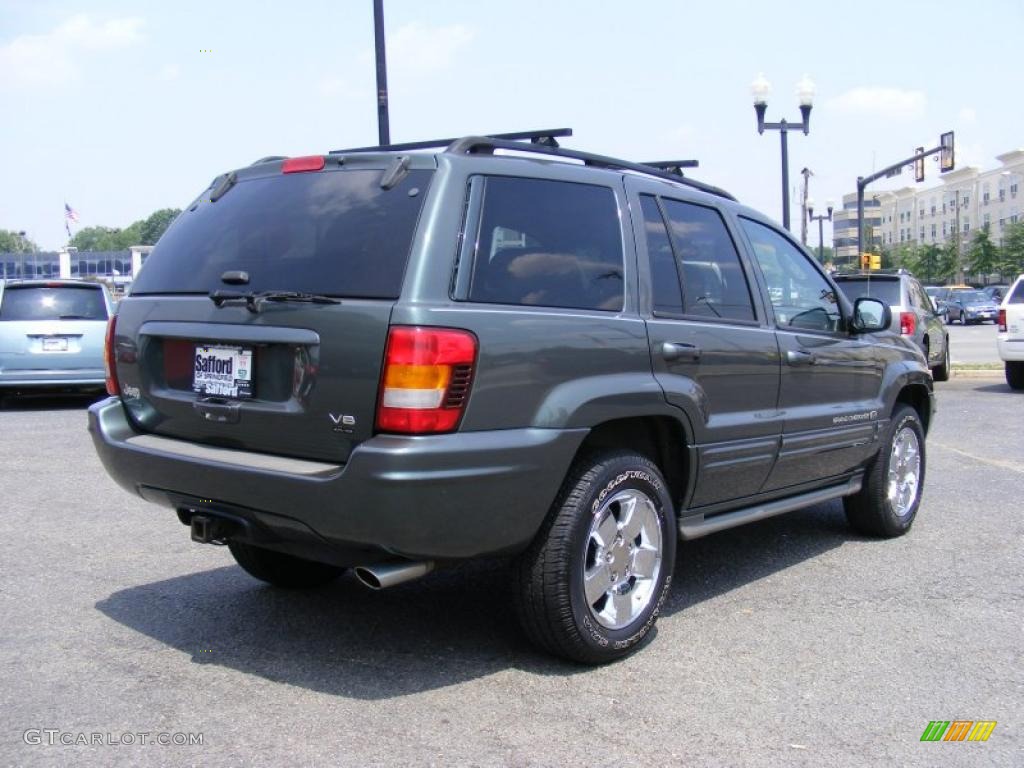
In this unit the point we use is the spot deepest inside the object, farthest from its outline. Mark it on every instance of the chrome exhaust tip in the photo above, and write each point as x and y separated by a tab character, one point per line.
386	575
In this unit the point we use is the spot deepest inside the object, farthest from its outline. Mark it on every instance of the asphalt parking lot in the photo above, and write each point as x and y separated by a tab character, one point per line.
973	344
791	641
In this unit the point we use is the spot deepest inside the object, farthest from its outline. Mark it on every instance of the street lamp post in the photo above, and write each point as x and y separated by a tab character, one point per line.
821	218
805	93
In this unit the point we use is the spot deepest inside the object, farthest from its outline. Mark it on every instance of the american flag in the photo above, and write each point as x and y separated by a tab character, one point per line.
70	214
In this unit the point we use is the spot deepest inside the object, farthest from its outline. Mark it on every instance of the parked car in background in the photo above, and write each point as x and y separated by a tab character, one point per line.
1010	339
942	293
52	334
914	314
970	306
995	292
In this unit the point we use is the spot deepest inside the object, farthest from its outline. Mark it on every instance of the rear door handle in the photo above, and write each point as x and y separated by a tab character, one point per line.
800	357
672	350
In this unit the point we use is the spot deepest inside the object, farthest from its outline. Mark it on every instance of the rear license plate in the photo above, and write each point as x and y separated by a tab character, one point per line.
223	371
55	345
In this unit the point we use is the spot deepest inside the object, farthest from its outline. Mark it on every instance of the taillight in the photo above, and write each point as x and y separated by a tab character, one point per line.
426	379
109	358
303	164
1002	320
908	323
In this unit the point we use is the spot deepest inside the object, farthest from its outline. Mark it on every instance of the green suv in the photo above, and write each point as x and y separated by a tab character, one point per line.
395	359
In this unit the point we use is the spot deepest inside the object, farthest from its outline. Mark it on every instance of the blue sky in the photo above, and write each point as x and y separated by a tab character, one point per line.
125	107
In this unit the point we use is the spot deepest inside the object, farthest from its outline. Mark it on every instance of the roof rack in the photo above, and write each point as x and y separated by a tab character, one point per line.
672	166
471	145
544	138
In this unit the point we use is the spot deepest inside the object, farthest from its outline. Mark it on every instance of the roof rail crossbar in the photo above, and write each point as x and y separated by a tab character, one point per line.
672	166
487	144
545	138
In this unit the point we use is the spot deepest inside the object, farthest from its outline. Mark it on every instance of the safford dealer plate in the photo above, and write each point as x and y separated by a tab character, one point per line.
223	371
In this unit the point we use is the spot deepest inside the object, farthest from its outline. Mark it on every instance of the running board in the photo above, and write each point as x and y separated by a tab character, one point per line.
697	526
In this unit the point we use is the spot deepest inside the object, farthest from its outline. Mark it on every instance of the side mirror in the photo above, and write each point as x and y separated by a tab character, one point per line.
870	315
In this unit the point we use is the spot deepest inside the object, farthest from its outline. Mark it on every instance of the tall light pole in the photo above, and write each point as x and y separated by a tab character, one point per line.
383	129
821	218
760	88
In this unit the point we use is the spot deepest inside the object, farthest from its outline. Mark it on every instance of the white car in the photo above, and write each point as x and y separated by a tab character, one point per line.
1011	333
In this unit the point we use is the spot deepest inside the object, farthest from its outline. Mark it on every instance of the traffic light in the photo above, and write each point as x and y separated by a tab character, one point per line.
865	261
947	159
919	165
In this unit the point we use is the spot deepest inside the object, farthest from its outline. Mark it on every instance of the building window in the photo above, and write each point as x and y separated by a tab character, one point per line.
967	226
1013	190
1002	194
987	220
922	234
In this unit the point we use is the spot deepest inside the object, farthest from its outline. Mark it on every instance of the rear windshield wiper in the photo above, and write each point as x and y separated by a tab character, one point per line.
254	300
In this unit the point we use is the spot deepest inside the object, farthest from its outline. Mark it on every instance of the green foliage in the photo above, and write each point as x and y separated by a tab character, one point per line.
983	256
142	232
14	242
930	264
1011	255
949	259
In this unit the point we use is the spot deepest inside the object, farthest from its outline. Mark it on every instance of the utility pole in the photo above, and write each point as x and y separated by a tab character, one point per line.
383	129
806	173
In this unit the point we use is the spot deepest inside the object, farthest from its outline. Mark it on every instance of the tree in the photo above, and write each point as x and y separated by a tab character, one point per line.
15	242
928	265
153	227
99	239
142	232
982	254
1011	255
949	259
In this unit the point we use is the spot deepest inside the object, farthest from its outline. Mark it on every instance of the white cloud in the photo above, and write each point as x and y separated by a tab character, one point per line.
53	57
968	115
415	49
891	103
170	72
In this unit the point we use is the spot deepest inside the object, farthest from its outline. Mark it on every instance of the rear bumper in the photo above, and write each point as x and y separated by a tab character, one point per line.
439	497
27	378
1011	349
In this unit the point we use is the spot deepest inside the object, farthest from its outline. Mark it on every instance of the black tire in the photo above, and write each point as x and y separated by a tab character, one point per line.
941	371
280	569
551	596
1015	374
870	511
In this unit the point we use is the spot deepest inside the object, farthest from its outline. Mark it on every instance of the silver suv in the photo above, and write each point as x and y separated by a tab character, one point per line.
914	314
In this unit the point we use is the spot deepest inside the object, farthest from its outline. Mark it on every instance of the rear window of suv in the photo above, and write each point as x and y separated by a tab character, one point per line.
53	302
548	243
886	290
331	232
1017	297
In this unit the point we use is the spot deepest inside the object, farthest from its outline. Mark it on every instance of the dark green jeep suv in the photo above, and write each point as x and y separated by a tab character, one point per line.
392	360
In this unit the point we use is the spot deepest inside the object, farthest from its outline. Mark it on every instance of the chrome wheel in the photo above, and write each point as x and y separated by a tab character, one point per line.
623	559
904	471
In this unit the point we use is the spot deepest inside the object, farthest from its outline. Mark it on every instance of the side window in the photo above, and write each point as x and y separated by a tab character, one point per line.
713	281
668	299
548	243
801	297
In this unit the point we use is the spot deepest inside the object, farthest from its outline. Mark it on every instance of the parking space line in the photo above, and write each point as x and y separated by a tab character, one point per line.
994	462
